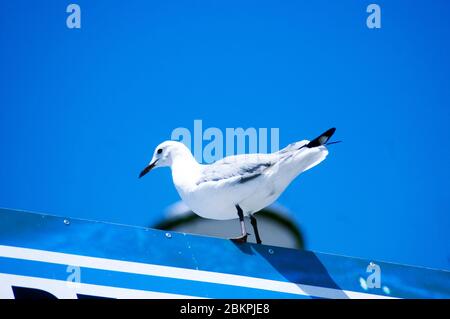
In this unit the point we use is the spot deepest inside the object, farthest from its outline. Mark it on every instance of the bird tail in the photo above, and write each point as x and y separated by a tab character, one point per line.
316	151
299	157
322	139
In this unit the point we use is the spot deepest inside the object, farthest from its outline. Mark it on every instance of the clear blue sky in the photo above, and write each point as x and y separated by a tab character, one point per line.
82	110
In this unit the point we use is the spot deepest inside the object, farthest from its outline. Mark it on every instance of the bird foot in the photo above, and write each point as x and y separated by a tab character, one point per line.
240	240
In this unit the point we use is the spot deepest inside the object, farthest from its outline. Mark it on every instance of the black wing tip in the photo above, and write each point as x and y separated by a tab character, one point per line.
322	139
329	133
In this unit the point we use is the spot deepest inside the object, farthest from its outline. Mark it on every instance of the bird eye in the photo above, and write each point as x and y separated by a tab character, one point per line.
159	151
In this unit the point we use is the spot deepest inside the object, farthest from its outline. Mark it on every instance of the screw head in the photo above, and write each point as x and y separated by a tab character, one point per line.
168	235
271	251
66	221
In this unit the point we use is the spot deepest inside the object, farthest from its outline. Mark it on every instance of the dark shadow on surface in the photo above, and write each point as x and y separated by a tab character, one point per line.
244	248
302	268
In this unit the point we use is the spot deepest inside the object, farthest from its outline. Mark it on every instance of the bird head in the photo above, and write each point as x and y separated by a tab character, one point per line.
164	154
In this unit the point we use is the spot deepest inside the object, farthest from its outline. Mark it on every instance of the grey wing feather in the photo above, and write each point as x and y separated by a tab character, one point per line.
239	168
245	167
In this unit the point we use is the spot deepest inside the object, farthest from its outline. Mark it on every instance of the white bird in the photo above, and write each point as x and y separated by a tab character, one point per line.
237	186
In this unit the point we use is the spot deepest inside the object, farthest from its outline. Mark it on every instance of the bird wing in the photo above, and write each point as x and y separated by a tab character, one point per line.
246	167
238	168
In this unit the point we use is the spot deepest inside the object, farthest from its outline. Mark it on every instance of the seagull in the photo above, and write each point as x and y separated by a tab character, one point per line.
237	186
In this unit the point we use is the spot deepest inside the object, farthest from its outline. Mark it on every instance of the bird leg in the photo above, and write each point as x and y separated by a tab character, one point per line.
255	228
243	238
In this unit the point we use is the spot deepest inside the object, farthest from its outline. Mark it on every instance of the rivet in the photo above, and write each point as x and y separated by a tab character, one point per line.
66	221
271	251
168	235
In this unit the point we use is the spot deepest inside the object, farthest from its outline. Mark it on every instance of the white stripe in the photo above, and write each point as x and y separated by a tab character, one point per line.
69	290
180	273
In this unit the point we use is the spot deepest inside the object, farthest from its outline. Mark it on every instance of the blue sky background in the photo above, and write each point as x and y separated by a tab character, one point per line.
82	110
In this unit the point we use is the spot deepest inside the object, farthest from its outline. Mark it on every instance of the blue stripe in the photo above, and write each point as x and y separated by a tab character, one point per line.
135	281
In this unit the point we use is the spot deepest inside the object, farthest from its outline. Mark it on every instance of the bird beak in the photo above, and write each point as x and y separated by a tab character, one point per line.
148	168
